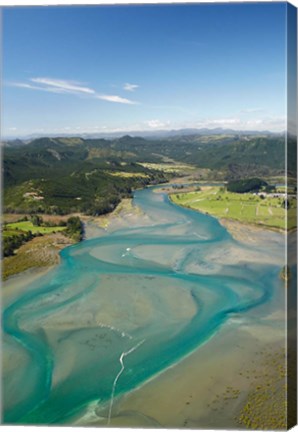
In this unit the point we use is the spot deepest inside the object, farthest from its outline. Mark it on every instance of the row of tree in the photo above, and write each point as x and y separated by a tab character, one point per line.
13	242
246	185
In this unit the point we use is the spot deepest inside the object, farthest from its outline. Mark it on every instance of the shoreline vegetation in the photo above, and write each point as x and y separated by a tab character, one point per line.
41	241
35	242
39	246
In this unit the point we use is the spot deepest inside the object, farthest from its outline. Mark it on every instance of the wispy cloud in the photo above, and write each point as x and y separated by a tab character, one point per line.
63	86
59	86
114	98
274	124
251	110
130	87
24	85
157	124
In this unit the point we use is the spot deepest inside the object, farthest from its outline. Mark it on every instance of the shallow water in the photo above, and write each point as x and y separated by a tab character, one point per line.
123	307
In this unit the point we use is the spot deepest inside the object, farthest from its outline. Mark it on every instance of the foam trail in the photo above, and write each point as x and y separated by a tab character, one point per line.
124	354
115	329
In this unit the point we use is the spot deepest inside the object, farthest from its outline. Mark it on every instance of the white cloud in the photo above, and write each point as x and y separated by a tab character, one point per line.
130	87
114	98
63	86
70	87
157	124
251	110
225	121
274	124
24	85
54	86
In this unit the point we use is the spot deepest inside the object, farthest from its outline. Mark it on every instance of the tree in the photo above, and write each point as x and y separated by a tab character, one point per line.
246	185
286	204
75	228
36	220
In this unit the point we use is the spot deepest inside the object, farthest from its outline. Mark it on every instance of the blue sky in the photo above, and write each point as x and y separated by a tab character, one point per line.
108	68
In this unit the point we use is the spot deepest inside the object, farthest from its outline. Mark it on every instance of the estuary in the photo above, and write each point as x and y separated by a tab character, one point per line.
125	306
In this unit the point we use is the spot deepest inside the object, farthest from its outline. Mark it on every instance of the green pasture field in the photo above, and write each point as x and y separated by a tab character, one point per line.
169	167
246	207
127	174
16	227
11	232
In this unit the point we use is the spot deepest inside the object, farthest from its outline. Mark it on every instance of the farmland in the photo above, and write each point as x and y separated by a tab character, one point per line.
125	174
173	168
28	226
247	207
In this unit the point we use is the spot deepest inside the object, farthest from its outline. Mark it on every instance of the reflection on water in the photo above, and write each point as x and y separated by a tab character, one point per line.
122	307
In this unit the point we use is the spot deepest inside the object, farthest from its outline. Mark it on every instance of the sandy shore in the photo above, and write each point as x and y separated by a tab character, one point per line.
249	233
15	285
205	390
126	214
40	252
212	387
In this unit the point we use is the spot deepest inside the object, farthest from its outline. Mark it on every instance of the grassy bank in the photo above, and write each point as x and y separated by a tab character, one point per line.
246	208
27	245
42	248
39	252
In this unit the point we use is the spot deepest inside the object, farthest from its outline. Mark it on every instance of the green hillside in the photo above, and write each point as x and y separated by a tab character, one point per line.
65	175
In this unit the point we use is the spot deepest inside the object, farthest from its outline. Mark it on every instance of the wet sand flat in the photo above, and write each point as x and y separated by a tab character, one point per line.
208	389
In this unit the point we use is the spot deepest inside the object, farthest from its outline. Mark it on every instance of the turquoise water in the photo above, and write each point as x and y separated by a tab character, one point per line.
124	306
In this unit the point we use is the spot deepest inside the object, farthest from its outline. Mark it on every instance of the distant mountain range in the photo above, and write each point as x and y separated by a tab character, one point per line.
154	134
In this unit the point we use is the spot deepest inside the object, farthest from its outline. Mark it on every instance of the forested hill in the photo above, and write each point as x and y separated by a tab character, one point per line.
61	176
91	175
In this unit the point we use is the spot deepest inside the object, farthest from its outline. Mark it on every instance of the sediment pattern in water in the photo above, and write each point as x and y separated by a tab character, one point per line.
123	307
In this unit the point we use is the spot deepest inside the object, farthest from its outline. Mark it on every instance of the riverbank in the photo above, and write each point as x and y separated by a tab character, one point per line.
125	214
40	252
29	244
249	233
44	252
